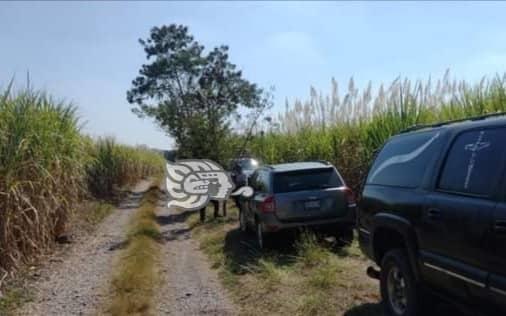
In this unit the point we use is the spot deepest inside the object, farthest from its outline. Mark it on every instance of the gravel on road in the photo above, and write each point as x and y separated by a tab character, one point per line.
189	285
77	283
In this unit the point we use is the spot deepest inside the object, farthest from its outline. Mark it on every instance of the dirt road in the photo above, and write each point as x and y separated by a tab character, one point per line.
76	283
189	286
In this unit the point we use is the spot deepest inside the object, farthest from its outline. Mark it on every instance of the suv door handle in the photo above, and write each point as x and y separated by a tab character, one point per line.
434	213
500	226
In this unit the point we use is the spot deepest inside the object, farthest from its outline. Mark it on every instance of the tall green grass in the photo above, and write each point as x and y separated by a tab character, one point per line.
47	167
113	166
347	130
41	172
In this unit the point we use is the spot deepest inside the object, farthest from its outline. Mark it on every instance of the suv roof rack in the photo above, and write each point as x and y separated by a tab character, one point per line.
473	118
325	162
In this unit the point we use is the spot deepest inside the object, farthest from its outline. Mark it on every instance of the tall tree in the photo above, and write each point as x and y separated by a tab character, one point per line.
191	93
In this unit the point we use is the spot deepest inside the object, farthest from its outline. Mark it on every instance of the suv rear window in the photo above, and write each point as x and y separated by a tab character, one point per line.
403	160
474	162
306	180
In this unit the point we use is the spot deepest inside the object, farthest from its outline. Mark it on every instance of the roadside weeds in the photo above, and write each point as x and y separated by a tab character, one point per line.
135	280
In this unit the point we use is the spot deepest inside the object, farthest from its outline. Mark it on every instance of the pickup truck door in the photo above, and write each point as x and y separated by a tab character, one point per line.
455	222
453	232
496	259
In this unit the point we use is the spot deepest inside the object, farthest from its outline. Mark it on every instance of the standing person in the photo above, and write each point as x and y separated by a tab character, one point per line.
203	214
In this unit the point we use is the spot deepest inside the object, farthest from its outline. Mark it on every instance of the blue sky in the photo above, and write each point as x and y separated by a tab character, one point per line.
88	53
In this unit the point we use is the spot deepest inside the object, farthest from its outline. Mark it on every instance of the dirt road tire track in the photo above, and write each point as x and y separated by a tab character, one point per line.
78	282
189	285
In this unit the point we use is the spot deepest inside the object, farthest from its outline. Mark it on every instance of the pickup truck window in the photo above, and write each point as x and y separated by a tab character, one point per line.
403	160
474	163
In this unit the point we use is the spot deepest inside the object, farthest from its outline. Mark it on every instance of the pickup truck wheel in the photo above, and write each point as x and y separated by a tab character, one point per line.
398	286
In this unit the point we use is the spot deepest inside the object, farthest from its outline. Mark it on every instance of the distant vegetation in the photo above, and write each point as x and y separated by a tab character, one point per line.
195	96
114	165
47	168
347	130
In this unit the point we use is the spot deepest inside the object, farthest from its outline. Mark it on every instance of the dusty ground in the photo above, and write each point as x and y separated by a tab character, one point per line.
75	282
189	286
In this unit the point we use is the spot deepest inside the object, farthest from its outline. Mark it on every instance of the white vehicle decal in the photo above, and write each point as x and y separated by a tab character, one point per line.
394	160
474	148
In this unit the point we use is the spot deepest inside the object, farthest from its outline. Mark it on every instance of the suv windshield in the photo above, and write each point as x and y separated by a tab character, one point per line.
306	180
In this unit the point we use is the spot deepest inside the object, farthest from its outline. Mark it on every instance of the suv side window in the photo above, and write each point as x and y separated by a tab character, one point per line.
404	160
474	163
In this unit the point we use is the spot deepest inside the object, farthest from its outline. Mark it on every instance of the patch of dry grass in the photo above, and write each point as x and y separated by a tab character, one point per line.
96	212
136	278
307	277
13	296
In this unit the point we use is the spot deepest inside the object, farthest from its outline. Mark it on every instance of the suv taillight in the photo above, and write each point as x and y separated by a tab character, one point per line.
268	205
350	196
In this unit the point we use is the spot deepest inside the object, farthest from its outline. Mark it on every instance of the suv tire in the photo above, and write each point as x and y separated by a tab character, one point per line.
398	286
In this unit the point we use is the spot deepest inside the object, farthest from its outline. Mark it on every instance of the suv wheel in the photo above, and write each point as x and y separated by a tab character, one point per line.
398	286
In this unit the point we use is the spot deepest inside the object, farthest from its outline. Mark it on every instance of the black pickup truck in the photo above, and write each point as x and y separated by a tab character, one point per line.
433	216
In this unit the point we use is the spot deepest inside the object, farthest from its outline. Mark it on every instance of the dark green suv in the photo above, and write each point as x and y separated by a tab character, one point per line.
433	216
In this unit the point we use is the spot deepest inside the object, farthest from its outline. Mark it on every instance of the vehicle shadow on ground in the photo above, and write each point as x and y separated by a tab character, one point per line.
241	248
367	309
439	308
241	252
